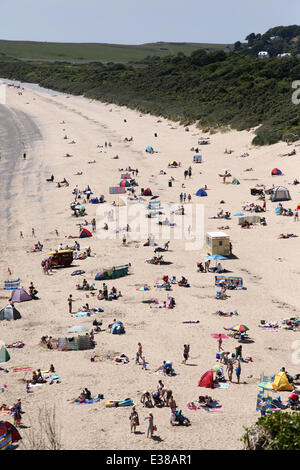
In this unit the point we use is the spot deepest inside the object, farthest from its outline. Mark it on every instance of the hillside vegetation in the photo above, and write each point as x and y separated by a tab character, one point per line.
215	89
89	52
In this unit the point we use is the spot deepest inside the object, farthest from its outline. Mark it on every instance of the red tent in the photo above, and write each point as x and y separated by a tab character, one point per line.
207	379
85	233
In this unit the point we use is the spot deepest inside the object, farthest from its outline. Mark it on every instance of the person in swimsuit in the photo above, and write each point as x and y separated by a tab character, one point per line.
238	371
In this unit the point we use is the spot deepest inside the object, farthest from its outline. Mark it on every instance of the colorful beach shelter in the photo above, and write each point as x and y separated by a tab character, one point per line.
4	356
149	148
7	428
235	181
201	192
84	233
276	171
124	184
20	295
207	379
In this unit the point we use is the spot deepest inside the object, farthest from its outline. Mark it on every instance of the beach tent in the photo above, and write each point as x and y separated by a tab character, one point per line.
20	295
281	382
149	148
201	192
85	233
276	171
173	163
4	356
9	313
147	192
280	194
118	328
124	184
235	181
78	343
298	207
207	379
197	158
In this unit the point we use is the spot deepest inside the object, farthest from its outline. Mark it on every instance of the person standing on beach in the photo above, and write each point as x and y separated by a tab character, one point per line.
150	425
186	352
21	235
140	351
24	155
220	341
134	419
230	370
238	371
33	233
70	301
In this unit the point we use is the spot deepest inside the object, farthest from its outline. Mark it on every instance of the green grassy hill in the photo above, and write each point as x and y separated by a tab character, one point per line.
89	52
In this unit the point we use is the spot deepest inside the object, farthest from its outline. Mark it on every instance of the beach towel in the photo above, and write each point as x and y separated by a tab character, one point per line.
210	410
88	402
222	385
198	321
20	369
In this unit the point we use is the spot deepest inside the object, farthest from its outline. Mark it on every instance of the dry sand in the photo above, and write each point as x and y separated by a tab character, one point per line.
269	267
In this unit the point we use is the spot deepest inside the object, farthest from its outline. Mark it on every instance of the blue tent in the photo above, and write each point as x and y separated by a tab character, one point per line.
118	328
201	192
149	149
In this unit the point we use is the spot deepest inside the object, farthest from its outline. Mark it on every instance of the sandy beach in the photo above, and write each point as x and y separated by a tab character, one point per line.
269	267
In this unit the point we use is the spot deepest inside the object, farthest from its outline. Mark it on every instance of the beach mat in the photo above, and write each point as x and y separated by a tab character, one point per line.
208	409
20	369
222	385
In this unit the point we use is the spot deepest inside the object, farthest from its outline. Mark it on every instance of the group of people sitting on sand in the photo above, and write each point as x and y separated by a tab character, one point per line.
85	286
37	247
114	294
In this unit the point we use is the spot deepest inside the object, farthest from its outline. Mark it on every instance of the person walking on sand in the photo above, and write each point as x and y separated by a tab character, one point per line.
94	225
124	239
134	420
21	235
150	425
186	352
33	233
70	301
296	216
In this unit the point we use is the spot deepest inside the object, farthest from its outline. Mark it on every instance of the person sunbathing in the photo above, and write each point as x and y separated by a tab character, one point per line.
288	235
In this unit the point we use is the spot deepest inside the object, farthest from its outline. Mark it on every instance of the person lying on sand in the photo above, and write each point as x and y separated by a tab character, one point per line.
288	235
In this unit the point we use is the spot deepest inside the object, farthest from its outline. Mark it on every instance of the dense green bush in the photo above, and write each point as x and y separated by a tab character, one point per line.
276	431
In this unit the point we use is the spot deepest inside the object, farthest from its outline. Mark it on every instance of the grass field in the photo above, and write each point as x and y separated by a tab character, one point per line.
89	52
